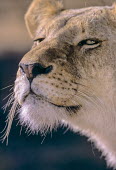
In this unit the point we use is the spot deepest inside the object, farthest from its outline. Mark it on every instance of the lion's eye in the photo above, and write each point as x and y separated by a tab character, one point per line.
89	42
37	41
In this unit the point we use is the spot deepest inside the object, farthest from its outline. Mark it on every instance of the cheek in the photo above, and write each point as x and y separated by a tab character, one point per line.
70	69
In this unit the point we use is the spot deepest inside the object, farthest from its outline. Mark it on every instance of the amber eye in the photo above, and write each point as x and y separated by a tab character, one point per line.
89	42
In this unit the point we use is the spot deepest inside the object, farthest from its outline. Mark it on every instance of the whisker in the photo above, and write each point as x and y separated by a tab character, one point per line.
67	129
84	98
11	88
43	139
9	102
21	130
94	99
7	87
87	97
8	96
28	131
9	122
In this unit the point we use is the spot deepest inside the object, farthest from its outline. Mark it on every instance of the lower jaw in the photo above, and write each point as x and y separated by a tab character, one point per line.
71	109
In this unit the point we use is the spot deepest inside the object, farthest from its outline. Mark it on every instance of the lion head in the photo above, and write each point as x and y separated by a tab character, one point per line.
68	77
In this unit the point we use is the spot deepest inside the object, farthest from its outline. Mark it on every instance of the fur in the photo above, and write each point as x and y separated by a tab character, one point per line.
81	47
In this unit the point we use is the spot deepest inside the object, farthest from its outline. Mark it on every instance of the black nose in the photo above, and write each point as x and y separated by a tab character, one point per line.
32	70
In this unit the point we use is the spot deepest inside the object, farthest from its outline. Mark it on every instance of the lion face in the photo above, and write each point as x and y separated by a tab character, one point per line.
70	66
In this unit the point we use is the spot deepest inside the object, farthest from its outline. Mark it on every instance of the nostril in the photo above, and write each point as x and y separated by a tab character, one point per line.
32	70
48	69
39	69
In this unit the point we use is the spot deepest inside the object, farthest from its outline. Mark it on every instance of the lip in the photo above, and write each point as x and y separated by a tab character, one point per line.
73	109
68	108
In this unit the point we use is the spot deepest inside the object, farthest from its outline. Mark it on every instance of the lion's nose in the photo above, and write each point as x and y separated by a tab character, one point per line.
32	70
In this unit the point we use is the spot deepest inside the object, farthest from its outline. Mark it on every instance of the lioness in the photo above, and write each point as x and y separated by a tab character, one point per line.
69	75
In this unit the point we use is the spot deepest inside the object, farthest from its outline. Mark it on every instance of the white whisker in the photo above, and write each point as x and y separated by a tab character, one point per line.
9	102
7	87
7	96
9	122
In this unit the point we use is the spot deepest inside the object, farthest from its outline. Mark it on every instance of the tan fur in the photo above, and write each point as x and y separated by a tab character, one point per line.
46	8
83	74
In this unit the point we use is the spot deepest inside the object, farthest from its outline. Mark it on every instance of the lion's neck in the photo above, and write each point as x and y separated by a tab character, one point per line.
99	124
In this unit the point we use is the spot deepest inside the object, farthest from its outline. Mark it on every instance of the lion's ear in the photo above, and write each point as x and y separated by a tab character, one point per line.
114	8
39	12
113	11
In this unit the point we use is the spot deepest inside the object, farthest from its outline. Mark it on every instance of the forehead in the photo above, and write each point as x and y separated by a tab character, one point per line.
90	20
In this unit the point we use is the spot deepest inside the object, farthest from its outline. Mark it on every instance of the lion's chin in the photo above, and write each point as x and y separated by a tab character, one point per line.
41	116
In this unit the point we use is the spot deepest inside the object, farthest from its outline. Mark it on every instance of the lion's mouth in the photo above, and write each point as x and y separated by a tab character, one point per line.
71	109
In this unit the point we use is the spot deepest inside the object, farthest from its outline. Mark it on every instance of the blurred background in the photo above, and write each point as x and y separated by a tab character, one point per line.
59	151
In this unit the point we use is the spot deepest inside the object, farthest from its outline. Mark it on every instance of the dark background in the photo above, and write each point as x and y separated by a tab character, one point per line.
60	150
